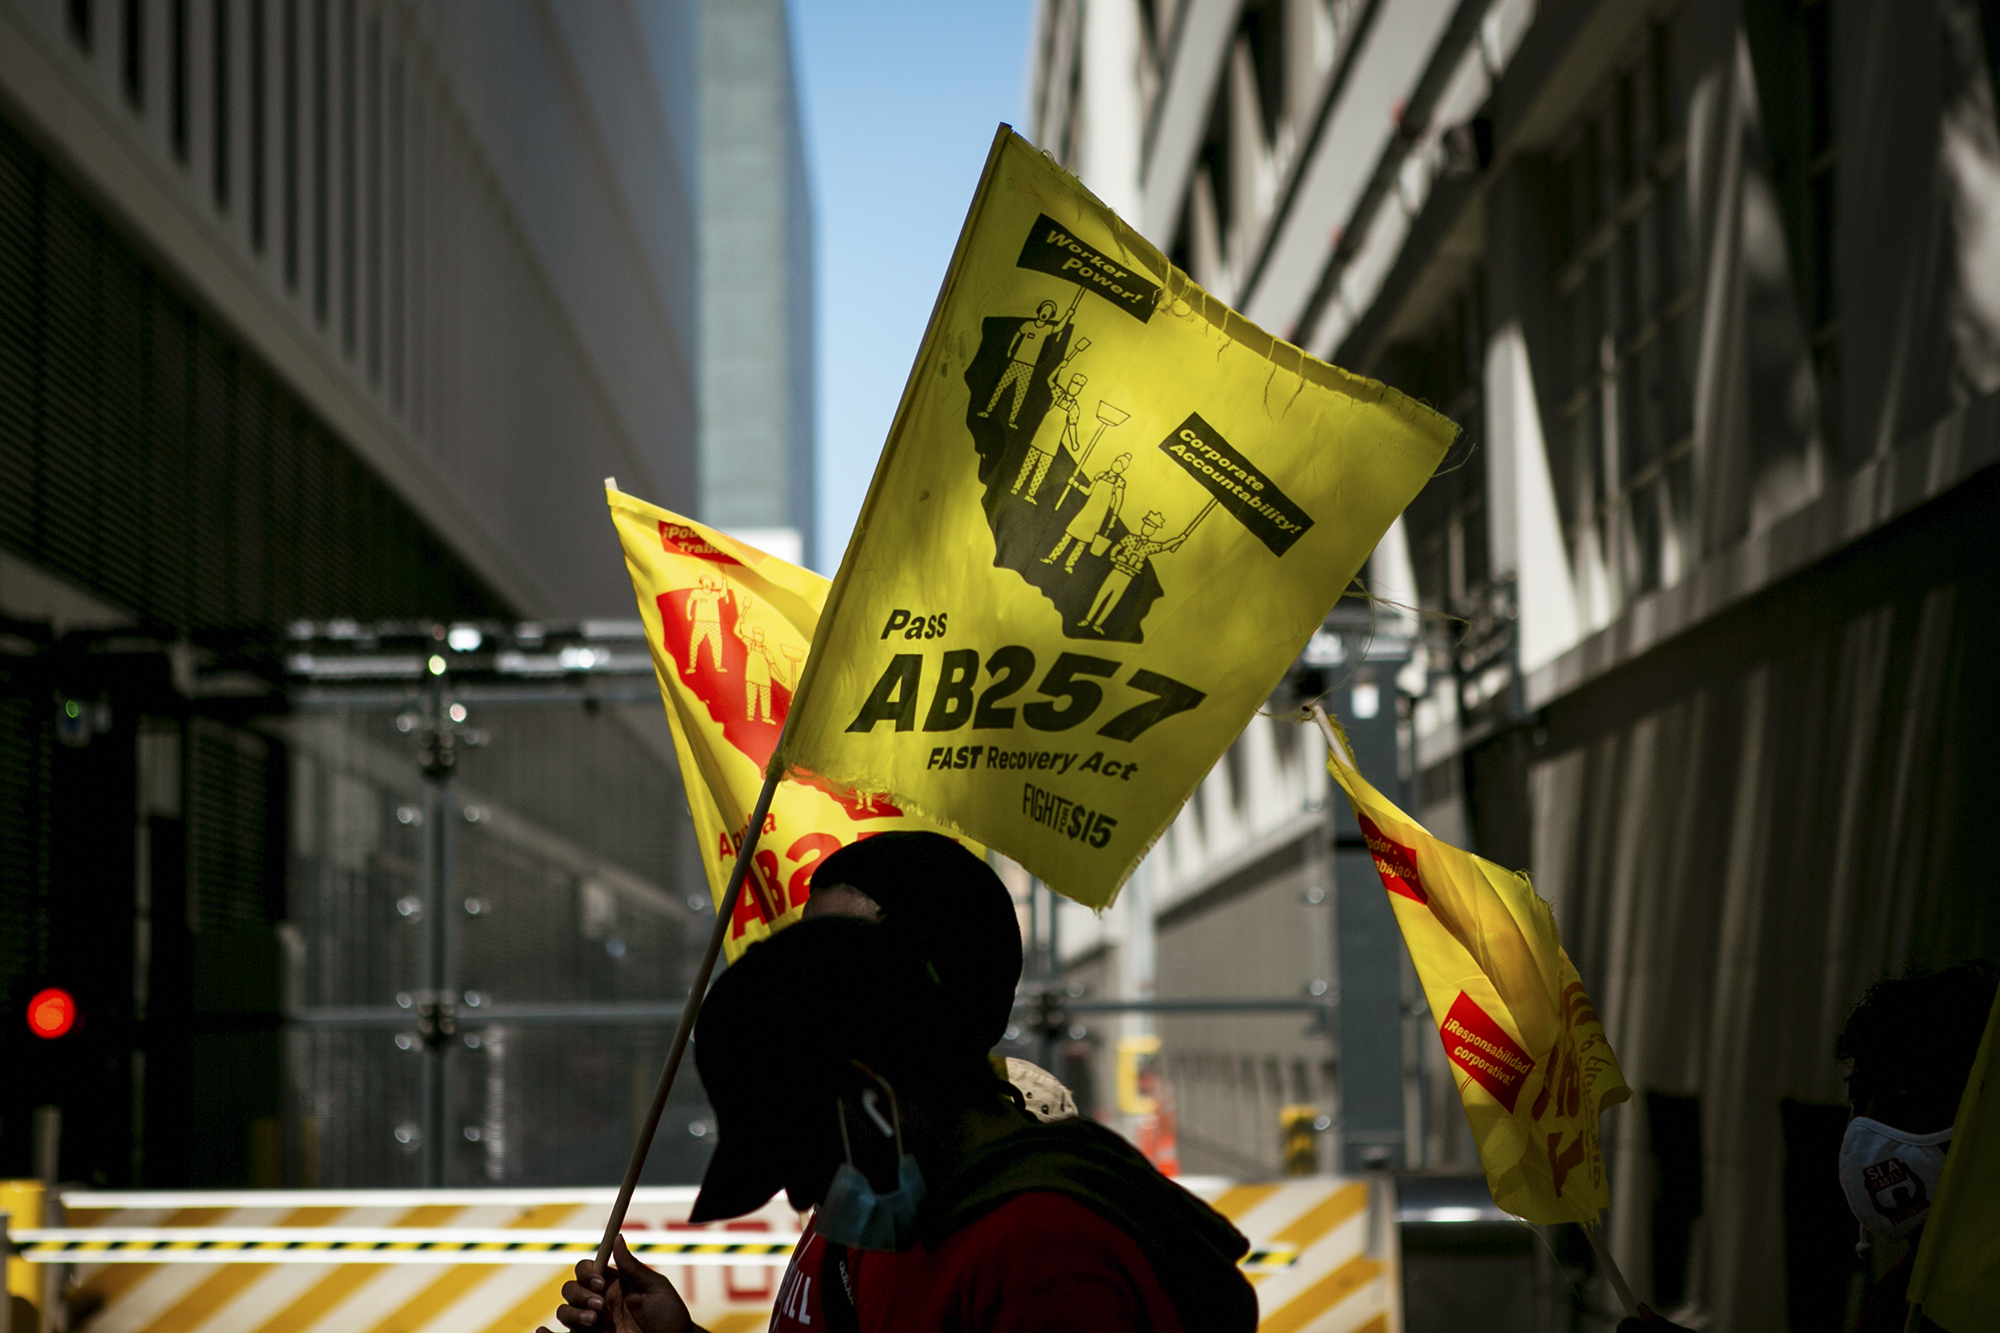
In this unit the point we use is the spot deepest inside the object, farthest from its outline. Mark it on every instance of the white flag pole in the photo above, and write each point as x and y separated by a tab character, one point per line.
1334	741
1611	1270
745	855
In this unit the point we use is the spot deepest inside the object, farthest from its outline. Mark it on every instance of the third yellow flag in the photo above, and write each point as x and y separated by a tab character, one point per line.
1528	1054
1956	1276
1109	514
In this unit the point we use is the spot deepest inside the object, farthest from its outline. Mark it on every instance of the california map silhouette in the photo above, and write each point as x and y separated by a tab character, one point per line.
1023	533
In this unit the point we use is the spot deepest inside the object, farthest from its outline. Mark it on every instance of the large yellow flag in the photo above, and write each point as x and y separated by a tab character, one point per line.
1109	514
730	627
1956	1277
1531	1061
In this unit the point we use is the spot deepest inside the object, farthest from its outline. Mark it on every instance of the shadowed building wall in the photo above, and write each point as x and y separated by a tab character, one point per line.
1713	288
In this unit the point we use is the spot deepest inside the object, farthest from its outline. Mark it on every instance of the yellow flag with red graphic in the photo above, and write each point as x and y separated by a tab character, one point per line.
1528	1053
730	627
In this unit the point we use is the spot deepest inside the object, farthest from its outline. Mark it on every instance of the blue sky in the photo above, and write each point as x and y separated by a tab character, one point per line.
900	101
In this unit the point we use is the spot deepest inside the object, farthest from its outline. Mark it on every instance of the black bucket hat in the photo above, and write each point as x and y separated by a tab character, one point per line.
773	1043
945	906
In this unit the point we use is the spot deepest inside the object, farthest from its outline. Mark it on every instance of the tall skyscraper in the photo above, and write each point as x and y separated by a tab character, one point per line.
757	470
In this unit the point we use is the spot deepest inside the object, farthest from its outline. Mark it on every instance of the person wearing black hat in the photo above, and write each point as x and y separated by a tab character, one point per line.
942	903
846	1060
948	904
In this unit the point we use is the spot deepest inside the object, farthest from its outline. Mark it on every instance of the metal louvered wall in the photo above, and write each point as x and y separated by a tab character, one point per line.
562	840
235	829
24	844
152	461
147	456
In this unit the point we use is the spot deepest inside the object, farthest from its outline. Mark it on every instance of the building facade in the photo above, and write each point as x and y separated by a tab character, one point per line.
321	323
1712	288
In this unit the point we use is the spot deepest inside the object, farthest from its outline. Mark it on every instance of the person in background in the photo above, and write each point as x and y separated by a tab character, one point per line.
841	1073
1912	1040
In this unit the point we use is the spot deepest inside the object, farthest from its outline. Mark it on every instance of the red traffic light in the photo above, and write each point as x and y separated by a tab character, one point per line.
51	1013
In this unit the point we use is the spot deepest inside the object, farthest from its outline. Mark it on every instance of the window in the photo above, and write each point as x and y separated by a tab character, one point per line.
1447	521
257	117
1215	179
1821	304
349	173
219	73
1621	450
374	293
1791	48
1262	36
291	120
1274	87
322	37
1072	104
177	78
396	241
1152	51
418	150
134	55
1450	547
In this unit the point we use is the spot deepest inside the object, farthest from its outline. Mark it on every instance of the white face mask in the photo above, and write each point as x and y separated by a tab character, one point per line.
1889	1176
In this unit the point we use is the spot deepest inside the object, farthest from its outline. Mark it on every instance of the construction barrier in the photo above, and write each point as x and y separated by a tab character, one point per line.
383	1261
22	1291
1345	1274
353	1245
1323	1257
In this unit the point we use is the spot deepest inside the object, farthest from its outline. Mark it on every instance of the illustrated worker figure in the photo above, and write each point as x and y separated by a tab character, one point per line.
704	608
1022	353
1128	557
758	664
1035	466
1101	504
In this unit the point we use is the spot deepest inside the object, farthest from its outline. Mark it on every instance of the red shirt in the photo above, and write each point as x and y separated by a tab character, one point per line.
798	1304
1039	1263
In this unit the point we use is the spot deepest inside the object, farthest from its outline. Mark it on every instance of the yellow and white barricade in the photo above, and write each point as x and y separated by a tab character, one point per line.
1323	1257
388	1261
1323	1251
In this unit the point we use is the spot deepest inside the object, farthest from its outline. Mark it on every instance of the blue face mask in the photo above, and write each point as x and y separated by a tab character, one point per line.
854	1214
